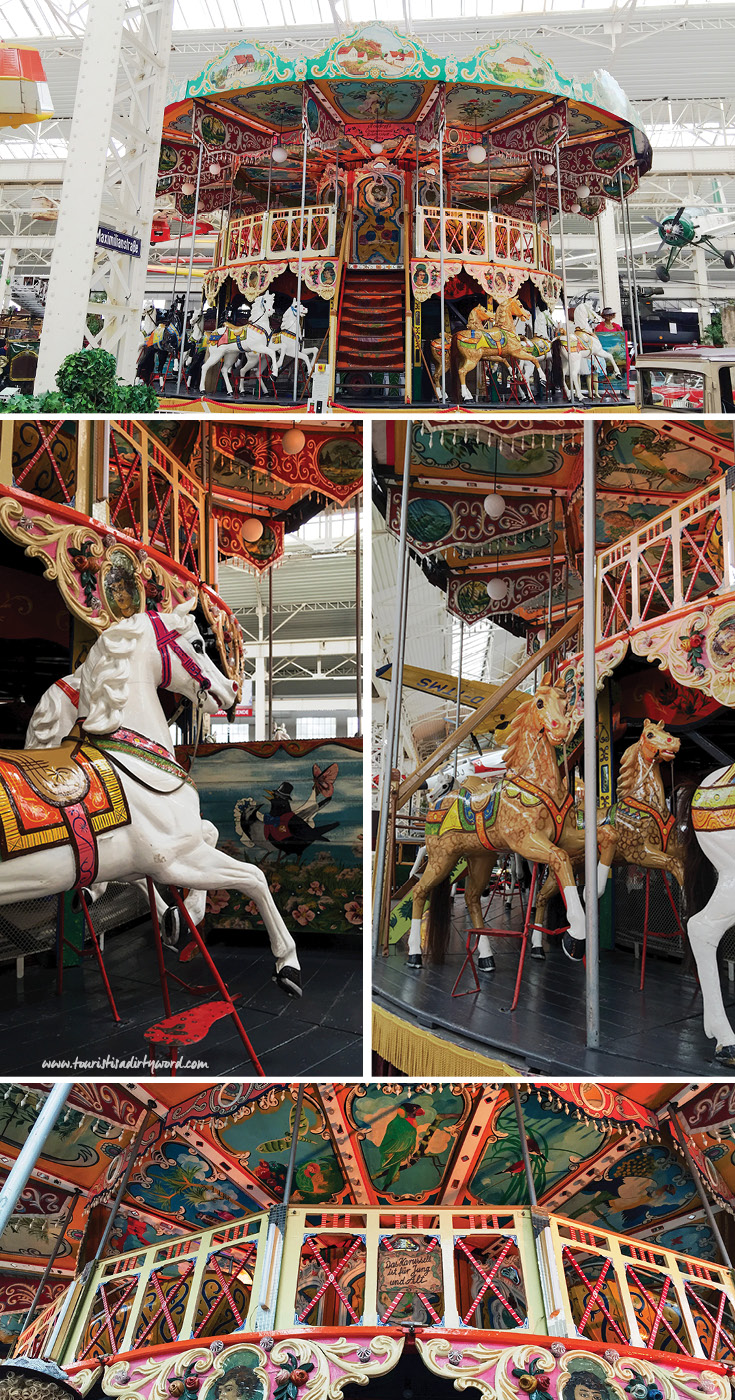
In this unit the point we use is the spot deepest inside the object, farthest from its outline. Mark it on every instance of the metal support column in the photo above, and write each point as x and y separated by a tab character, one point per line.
565	292
110	179
273	1254
270	653
633	307
394	701
680	1135
607	254
441	258
185	312
458	706
592	968
122	1186
358	617
65	1222
30	1152
297	343
532	1198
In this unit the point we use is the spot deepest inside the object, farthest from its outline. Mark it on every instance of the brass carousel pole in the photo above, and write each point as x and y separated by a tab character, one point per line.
394	705
441	254
532	1198
61	1232
679	1134
564	277
297	343
191	269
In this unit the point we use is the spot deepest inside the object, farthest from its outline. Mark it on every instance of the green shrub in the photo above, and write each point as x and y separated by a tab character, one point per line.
87	383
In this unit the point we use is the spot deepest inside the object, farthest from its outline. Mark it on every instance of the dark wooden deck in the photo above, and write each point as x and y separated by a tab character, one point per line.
653	1032
319	1035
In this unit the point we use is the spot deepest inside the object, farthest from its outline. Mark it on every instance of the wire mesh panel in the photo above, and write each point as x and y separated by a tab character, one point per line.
30	925
630	907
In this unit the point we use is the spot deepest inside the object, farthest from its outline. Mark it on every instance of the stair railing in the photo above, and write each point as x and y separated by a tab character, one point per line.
335	309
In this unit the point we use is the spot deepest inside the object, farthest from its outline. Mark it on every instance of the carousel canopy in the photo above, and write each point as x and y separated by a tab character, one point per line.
375	92
499	499
212	1153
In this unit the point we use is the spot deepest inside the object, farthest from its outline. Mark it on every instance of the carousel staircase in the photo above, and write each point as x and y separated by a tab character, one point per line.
371	325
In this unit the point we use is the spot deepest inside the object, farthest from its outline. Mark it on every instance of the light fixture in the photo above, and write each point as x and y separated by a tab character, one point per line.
583	191
376	147
279	154
548	169
188	188
476	154
293	442
494	505
215	169
576	207
496	588
251	530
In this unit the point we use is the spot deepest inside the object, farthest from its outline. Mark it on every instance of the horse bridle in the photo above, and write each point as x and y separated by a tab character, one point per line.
168	644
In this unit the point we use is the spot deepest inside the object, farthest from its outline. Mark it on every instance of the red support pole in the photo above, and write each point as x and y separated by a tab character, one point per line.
98	954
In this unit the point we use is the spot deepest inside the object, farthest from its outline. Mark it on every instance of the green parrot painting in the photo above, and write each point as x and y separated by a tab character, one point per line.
399	1144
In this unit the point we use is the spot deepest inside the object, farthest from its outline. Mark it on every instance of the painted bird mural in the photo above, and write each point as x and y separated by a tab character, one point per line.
288	827
399	1144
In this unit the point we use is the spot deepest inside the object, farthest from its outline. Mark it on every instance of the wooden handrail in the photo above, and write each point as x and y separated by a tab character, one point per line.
412	784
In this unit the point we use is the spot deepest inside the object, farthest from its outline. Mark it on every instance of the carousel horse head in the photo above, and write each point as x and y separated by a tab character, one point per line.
170	646
543	713
263	306
656	744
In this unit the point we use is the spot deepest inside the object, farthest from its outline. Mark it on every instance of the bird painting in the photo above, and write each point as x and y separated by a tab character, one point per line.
399	1143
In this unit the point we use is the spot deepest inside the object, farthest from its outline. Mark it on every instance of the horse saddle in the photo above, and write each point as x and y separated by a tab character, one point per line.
60	796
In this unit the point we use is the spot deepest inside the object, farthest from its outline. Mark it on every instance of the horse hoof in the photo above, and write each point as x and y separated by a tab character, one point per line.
725	1055
538	954
170	927
415	961
573	947
289	980
486	964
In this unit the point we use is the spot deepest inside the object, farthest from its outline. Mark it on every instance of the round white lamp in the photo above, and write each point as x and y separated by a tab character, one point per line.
215	169
583	191
376	147
496	588
476	154
251	530
293	442
494	505
549	169
279	154
188	188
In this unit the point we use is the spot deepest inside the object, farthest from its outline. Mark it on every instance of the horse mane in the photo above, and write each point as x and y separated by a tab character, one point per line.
105	686
627	765
48	725
512	736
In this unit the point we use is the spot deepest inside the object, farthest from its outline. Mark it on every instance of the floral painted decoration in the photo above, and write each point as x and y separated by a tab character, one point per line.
289	1379
531	1378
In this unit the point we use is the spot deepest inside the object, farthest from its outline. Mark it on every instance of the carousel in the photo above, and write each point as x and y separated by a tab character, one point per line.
301	1241
376	171
588	827
122	822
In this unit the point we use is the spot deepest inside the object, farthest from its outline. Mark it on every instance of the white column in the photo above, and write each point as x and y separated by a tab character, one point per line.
109	179
702	288
607	261
6	277
259	697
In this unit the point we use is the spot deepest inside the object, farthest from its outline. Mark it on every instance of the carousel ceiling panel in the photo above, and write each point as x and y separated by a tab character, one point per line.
278	108
646	1185
513	551
376	101
557	1143
550	459
641	459
471	106
330	461
78	1148
175	1180
457	522
259	1139
404	1138
690	1237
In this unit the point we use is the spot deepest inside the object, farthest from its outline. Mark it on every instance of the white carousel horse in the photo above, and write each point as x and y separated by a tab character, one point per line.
148	319
711	828
603	362
527	368
286	338
52	720
255	338
160	835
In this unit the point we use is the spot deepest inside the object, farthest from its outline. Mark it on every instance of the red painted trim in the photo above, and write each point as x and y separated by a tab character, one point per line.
468	1336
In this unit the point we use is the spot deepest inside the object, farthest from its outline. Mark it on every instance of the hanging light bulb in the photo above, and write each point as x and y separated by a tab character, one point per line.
376	147
496	588
188	187
476	154
583	191
548	169
494	505
215	169
279	154
251	530
576	208
293	442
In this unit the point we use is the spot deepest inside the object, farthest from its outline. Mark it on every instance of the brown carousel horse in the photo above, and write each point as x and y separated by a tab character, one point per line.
524	811
488	336
645	829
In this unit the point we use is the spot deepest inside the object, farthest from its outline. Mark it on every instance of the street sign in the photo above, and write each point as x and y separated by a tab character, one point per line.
118	242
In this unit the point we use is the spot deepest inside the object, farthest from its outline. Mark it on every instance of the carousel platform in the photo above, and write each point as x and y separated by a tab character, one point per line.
320	1034
658	1030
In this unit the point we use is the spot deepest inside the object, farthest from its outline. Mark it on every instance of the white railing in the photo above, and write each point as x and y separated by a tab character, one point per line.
260	237
473	236
683	556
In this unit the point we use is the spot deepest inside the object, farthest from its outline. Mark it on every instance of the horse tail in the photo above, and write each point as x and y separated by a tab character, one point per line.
454	385
440	908
700	875
557	372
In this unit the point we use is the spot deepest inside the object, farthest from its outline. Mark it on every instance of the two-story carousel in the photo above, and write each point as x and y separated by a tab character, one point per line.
300	1241
389	218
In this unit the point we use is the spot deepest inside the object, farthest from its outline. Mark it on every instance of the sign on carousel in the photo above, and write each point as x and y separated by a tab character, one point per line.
118	242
